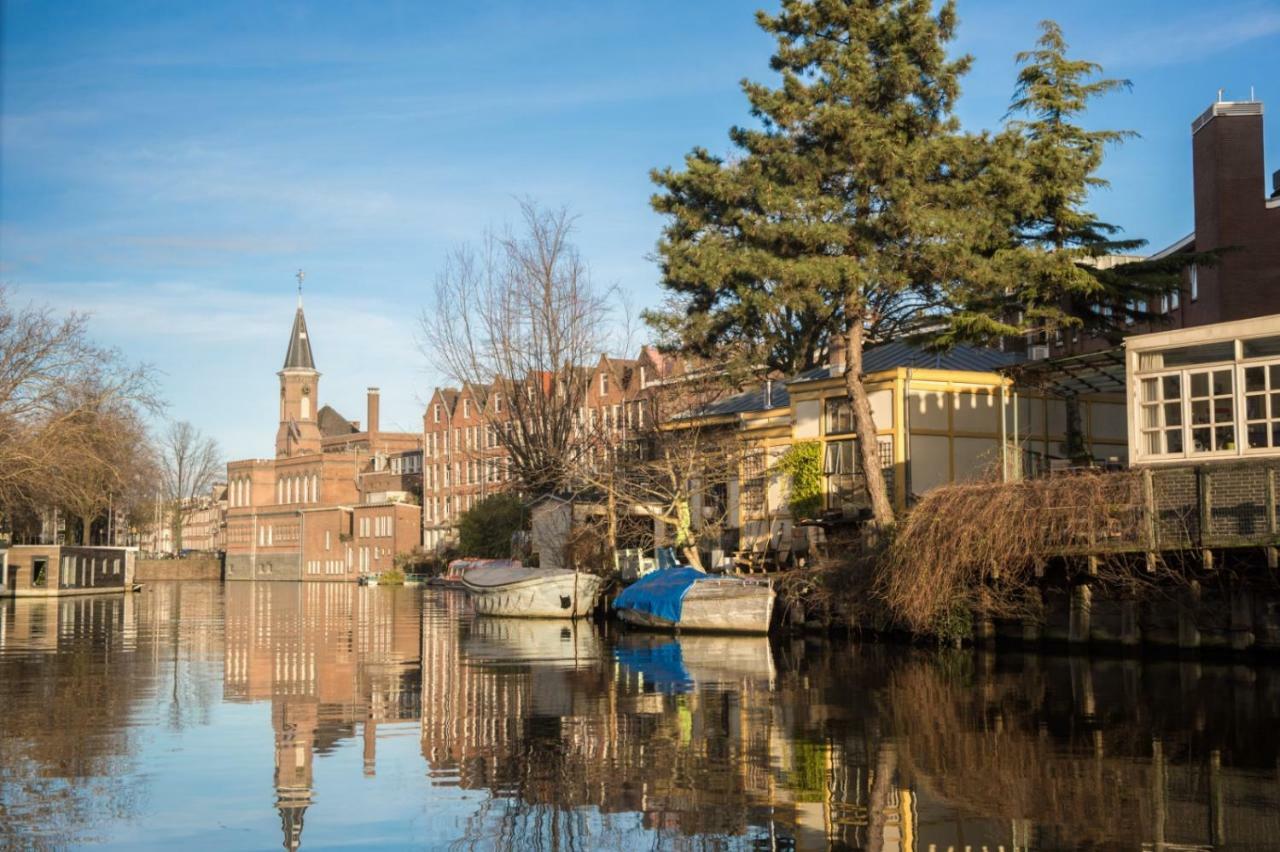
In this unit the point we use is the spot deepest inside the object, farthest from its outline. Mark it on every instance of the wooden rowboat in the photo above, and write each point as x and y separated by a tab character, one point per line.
523	592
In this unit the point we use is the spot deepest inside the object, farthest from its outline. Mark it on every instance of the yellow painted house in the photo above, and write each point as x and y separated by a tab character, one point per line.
940	418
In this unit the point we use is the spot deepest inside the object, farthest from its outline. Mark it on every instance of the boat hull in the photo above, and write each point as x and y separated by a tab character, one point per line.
715	606
561	595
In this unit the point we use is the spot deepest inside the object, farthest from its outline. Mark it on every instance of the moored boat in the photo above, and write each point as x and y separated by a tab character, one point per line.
452	576
524	592
685	598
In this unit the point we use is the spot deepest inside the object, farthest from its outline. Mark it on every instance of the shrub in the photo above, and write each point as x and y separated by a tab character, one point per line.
977	548
485	529
391	578
803	464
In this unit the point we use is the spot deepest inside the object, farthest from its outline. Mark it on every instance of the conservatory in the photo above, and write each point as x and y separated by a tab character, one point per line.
1204	393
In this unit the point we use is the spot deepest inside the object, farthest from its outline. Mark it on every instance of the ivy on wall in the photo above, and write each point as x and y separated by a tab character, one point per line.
803	465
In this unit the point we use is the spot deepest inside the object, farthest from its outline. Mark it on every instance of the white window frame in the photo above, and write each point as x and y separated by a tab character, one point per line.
1238	367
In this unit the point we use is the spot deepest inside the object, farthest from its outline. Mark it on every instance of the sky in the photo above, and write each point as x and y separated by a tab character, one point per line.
167	167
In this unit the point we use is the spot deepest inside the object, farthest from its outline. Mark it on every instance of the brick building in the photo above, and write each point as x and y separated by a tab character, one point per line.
1233	213
463	461
337	501
204	525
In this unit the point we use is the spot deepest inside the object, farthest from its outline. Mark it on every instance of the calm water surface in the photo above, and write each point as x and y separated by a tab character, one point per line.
261	715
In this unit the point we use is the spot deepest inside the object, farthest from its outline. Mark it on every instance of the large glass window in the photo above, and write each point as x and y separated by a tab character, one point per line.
1160	419
1212	411
839	416
1212	399
1262	406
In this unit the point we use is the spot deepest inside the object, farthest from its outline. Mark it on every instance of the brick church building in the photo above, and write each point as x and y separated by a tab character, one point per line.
336	502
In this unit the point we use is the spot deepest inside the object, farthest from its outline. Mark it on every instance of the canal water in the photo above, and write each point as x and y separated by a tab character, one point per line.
253	716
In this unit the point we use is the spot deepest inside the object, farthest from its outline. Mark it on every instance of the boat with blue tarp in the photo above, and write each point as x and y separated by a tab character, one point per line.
682	597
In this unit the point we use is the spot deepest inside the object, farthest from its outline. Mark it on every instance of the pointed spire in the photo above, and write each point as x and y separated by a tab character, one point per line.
299	354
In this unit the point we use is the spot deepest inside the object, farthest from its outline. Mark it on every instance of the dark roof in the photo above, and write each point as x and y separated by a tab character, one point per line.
752	400
333	424
898	353
299	354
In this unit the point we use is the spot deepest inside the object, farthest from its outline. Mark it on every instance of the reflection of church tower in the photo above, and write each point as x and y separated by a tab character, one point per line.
299	380
295	726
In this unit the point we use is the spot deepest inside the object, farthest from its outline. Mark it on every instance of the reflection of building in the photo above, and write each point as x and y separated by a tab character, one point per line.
336	502
327	657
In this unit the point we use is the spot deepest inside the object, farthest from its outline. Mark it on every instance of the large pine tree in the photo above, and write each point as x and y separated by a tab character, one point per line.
1046	273
836	212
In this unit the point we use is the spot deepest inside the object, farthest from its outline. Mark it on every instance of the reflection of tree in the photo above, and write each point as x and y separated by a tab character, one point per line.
1052	746
856	747
68	749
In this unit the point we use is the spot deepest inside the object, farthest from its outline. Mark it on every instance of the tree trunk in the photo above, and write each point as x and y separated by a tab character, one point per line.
611	533
86	530
882	787
176	528
864	423
1075	448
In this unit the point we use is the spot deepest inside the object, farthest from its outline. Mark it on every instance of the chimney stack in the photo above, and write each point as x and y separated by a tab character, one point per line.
1230	190
836	356
372	412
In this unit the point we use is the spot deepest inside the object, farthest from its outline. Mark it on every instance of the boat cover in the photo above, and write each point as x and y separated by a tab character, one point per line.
660	594
500	573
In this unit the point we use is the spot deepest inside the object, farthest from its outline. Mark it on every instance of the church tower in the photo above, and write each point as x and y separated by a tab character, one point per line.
299	432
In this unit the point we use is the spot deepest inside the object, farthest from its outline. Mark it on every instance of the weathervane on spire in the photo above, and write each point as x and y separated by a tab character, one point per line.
300	275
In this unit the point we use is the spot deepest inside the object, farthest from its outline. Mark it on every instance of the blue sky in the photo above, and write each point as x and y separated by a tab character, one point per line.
167	166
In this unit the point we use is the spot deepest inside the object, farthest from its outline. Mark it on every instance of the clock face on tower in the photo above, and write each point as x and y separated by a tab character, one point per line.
306	391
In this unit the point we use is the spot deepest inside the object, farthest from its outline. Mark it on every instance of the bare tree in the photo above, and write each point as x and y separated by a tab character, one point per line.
98	456
190	464
62	398
672	465
521	317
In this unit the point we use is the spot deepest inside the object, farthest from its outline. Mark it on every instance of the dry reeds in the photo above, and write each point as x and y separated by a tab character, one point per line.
977	548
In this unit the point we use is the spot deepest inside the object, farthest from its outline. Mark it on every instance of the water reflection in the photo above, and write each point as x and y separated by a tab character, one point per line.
312	715
328	657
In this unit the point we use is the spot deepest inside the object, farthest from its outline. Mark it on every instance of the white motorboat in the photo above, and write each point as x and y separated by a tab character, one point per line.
524	592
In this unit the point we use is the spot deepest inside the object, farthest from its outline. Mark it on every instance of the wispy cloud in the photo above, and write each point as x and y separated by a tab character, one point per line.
217	349
1189	38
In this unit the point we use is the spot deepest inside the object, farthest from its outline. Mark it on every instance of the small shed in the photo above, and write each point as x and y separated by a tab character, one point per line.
550	524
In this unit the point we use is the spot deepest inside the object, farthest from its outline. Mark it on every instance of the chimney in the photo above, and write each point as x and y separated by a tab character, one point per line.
836	361
1230	190
372	412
